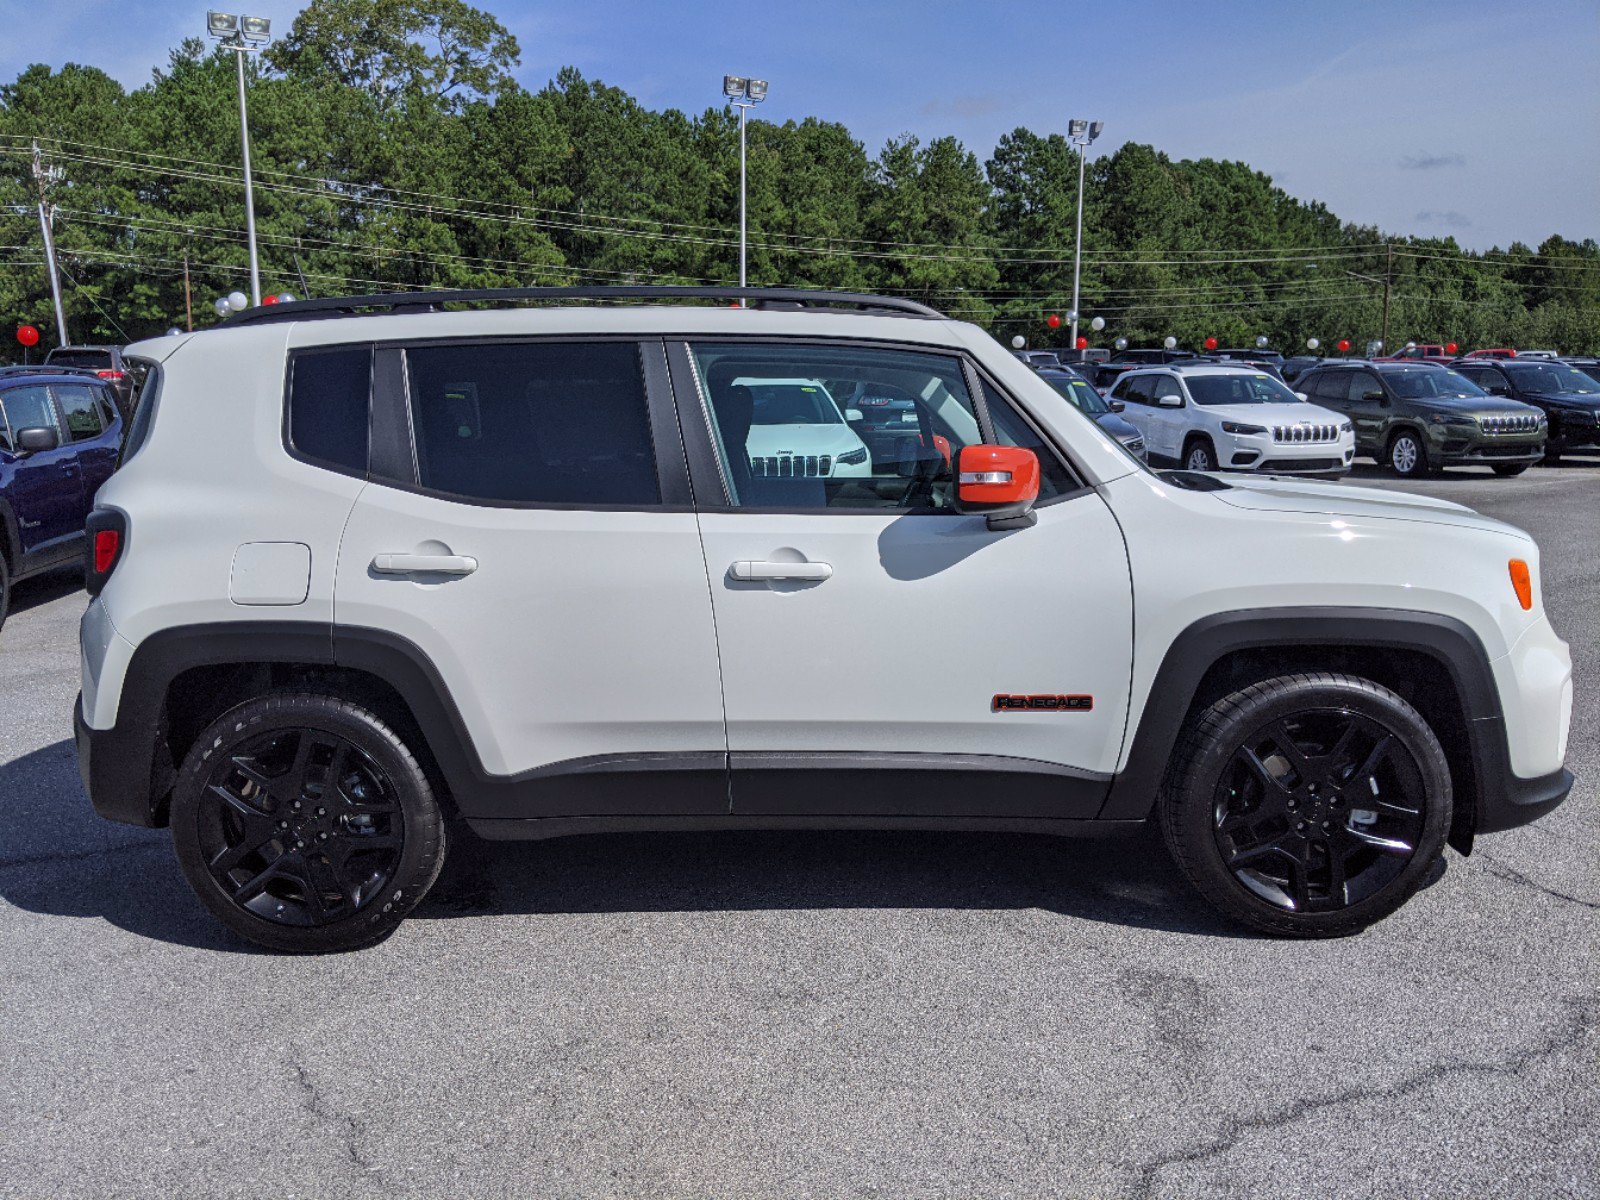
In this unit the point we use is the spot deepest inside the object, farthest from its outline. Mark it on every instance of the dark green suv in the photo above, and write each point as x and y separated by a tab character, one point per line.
1419	418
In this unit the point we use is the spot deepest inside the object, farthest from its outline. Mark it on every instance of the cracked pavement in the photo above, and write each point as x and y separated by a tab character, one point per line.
803	1014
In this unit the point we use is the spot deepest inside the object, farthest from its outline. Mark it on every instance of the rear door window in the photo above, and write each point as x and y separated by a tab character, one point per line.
540	423
78	406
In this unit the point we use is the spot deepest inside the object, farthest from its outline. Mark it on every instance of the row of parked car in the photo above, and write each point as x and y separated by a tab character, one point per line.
61	427
1415	412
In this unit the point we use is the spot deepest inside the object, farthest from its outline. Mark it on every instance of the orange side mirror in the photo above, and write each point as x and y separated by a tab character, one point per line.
1000	482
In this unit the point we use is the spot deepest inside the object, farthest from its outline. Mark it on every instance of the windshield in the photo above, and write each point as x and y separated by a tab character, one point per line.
1084	397
1238	389
791	402
1421	384
1550	377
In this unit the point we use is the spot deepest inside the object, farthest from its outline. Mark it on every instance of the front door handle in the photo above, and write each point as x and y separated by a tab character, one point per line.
424	564
762	571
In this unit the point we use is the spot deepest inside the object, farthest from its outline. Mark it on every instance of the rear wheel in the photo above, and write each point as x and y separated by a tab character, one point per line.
5	590
1308	805
305	824
1507	470
1198	455
1408	456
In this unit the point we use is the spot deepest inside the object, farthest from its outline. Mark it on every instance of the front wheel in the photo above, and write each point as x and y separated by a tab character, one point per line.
1199	456
1407	455
5	590
305	824
1307	805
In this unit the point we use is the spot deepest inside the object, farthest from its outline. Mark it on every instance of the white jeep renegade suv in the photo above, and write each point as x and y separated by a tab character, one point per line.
369	562
1225	417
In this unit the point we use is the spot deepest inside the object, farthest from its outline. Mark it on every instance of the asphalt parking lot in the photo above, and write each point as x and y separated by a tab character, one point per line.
801	1014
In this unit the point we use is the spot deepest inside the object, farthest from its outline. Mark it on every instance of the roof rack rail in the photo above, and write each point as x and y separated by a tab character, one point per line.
43	369
430	301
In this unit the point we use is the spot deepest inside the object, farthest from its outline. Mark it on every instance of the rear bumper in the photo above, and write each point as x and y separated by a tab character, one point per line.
111	774
1510	801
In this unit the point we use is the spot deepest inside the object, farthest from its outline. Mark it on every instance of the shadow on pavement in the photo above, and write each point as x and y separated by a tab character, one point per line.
57	857
41	589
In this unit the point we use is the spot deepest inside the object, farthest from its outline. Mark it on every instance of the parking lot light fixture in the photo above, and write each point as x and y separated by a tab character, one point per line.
745	93
243	35
1081	134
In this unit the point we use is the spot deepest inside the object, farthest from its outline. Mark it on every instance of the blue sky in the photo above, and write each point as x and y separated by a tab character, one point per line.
1478	120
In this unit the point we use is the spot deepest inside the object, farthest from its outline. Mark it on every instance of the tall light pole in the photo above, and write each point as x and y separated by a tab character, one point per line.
1080	134
44	177
745	94
244	35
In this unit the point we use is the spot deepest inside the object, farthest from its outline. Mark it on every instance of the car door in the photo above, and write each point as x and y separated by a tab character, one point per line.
528	531
91	424
871	638
46	493
1168	424
1366	403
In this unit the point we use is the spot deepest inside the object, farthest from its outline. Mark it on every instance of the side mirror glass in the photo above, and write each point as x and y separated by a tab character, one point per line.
1000	482
1117	405
36	438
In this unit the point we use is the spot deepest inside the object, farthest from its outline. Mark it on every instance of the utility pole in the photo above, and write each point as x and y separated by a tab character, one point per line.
188	297
43	177
1388	281
1080	134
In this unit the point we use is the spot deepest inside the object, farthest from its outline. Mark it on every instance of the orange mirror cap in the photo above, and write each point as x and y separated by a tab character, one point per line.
1522	583
998	475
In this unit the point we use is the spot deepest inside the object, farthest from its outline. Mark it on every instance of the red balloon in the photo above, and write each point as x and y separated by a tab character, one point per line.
269	299
1344	344
1449	347
27	335
1083	343
1053	320
1211	343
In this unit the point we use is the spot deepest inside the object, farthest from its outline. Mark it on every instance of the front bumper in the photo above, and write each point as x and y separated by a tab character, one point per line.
1487	452
1509	801
1260	452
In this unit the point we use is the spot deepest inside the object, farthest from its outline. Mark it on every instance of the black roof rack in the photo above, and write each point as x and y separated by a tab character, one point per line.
415	302
18	369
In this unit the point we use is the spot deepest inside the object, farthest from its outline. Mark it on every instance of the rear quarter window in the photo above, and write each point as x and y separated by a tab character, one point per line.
329	395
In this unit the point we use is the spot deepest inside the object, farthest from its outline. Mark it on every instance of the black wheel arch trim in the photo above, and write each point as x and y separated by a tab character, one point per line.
1502	801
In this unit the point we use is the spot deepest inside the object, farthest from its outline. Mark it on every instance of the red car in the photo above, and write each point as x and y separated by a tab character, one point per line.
1490	354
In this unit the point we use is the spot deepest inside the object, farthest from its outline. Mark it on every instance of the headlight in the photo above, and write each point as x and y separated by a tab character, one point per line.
853	458
1346	427
1235	427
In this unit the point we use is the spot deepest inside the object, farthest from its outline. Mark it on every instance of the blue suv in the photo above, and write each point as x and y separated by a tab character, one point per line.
59	437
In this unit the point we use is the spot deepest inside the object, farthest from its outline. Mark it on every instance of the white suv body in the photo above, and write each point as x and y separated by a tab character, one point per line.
1184	412
517	541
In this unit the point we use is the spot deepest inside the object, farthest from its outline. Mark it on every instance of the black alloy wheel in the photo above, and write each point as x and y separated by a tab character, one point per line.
5	590
1319	811
1307	805
305	823
298	826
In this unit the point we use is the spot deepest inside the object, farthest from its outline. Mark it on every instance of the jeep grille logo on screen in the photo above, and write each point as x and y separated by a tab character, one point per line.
1004	702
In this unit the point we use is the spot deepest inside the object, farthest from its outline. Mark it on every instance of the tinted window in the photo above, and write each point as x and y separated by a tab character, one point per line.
1423	384
26	408
1164	385
328	391
144	414
1325	385
1083	396
95	360
1551	377
78	407
545	423
1361	383
903	460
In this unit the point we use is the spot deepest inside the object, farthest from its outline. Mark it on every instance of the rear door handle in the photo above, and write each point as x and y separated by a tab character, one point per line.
780	570
424	564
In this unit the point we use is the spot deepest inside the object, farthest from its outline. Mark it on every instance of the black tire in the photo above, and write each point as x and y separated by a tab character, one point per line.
1509	470
1221	812
1552	455
331	852
1407	455
5	590
1200	455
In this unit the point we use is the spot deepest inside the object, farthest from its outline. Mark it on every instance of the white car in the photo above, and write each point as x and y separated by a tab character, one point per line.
797	429
1218	417
364	566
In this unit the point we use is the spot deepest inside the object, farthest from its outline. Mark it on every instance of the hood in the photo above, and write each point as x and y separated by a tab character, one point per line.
765	440
1491	406
1118	426
1269	494
1571	399
1273	414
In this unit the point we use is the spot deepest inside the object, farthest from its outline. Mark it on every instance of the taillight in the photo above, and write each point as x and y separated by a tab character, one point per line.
108	538
112	374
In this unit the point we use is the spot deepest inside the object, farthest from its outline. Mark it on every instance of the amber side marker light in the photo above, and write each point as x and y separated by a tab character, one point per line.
1522	583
